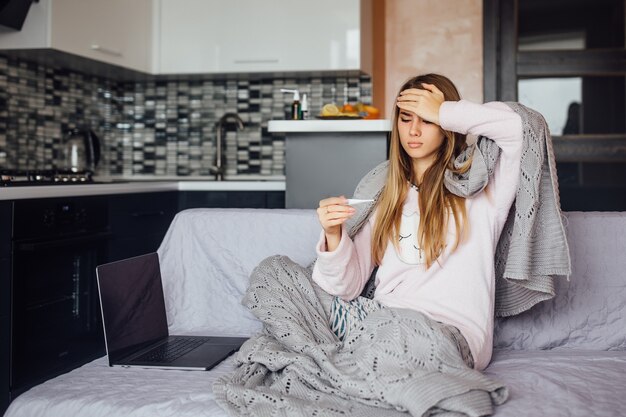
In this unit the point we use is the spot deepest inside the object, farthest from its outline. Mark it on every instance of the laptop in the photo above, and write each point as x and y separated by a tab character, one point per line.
135	322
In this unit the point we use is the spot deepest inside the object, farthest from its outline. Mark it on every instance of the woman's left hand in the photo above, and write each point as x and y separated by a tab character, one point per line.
425	103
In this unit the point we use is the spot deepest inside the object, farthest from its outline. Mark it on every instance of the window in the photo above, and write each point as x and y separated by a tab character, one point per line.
567	60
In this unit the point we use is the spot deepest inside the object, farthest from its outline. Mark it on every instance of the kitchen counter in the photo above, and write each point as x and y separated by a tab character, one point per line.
326	158
132	187
356	125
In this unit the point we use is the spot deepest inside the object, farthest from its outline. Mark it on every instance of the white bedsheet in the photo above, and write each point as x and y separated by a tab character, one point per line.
554	383
97	390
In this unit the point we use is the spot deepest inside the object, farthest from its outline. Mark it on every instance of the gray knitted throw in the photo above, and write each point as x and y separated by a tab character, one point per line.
533	248
398	362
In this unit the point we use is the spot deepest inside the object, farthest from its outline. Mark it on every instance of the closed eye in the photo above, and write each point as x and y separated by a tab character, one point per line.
406	117
404	237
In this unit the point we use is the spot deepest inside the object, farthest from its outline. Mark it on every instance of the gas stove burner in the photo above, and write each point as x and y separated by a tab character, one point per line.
44	177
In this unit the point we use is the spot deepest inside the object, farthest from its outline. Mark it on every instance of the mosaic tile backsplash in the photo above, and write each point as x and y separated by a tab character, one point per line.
154	128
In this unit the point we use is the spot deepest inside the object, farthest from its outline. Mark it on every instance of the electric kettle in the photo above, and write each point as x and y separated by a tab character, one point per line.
81	150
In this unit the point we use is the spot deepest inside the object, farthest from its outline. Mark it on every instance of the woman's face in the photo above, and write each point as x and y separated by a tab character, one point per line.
420	139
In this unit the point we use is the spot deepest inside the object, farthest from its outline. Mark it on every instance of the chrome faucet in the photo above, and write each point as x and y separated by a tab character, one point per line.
219	169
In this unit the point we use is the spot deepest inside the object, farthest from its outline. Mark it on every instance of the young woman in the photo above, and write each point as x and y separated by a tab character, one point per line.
435	250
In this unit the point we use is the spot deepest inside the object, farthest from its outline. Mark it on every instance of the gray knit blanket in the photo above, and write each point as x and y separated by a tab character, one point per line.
397	362
532	249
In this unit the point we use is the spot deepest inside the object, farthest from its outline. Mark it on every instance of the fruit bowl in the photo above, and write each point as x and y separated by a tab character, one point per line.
348	111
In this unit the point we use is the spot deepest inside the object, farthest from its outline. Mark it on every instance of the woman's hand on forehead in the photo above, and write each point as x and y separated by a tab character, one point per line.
426	90
424	103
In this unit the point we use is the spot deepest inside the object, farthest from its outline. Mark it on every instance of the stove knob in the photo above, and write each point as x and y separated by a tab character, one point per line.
81	216
48	217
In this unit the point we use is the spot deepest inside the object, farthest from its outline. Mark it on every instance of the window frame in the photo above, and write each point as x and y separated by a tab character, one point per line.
504	66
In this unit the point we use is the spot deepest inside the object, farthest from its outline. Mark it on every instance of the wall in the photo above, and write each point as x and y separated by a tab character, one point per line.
443	36
154	128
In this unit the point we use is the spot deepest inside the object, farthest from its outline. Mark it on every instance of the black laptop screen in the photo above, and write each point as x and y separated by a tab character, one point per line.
133	308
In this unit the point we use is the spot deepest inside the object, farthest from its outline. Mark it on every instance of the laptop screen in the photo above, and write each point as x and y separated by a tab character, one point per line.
133	307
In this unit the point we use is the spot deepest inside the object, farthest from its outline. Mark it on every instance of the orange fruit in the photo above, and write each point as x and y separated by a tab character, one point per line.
372	112
348	108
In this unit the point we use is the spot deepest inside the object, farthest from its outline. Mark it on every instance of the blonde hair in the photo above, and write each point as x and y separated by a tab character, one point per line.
435	201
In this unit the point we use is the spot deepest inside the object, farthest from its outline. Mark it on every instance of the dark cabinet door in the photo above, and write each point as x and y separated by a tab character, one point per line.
5	288
139	222
6	221
6	214
5	358
5	332
202	199
276	199
142	213
247	199
231	199
127	247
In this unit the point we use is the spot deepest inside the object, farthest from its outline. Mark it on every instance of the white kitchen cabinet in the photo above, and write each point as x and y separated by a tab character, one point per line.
117	32
217	36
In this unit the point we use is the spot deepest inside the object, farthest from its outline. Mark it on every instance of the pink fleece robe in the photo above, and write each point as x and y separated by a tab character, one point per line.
459	289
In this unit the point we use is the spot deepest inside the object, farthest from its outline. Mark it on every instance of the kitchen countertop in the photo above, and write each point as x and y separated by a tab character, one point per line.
131	187
308	126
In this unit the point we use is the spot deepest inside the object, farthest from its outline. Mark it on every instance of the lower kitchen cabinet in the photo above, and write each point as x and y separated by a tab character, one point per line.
5	341
5	332
231	199
5	300
139	222
6	213
68	237
5	287
275	199
6	216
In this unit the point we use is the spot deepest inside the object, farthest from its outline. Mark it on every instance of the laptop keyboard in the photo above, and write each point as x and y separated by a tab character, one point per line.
172	350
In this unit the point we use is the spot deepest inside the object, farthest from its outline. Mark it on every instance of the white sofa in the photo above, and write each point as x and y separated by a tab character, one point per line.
565	357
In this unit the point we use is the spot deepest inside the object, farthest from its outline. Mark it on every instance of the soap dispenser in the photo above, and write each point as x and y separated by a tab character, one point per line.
296	108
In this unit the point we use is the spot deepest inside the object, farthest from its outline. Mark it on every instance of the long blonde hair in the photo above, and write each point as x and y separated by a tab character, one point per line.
435	201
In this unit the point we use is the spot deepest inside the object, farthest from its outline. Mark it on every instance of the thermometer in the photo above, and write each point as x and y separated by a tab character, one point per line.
352	201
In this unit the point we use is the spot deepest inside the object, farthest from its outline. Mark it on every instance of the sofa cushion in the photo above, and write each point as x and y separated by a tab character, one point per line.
207	257
561	382
589	311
